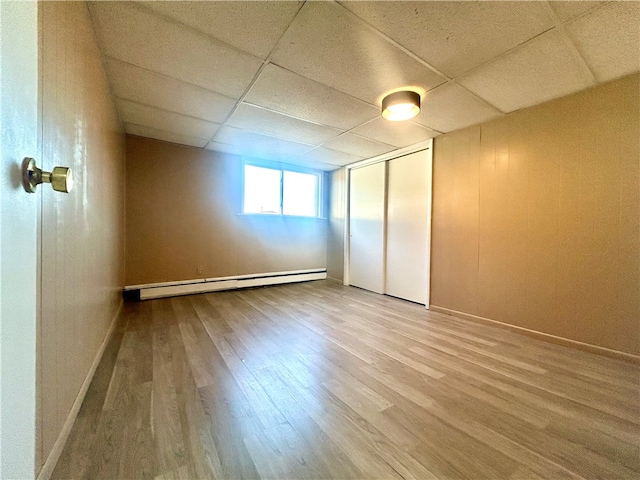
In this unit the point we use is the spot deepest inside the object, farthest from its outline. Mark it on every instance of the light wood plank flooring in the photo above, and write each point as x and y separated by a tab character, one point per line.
318	380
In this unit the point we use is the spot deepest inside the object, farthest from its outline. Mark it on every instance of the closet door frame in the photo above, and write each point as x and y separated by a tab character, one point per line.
427	146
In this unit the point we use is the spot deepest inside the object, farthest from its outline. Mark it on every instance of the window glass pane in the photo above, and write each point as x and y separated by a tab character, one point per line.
300	192
261	190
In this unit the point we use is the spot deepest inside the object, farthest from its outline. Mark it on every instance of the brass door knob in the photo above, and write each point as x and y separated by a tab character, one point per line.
61	178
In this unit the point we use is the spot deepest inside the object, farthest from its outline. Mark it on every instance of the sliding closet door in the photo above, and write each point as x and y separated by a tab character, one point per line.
407	270
366	227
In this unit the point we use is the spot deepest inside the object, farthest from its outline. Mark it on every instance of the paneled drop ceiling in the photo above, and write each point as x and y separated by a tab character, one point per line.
302	82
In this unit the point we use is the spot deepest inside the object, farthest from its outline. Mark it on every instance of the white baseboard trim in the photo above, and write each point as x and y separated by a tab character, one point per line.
547	337
58	447
189	287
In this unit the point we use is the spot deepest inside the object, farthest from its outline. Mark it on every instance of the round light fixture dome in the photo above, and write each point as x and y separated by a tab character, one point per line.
401	105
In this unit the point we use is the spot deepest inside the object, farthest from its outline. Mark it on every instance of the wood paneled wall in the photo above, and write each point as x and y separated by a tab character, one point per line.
183	206
536	218
82	264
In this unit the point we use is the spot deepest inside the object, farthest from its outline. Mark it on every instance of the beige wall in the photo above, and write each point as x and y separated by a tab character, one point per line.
82	232
335	235
536	218
182	213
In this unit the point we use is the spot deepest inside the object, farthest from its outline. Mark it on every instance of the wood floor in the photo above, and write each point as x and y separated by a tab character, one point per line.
318	380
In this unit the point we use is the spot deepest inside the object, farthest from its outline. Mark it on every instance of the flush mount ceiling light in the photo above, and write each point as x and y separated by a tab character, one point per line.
401	105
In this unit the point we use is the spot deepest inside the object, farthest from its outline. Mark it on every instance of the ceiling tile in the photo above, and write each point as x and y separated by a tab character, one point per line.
138	114
260	146
143	86
399	134
260	120
254	27
540	70
325	43
357	145
331	157
135	35
570	9
454	37
450	107
288	92
149	132
178	69
609	39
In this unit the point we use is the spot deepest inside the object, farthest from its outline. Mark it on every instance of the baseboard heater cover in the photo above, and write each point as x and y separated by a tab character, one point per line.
189	287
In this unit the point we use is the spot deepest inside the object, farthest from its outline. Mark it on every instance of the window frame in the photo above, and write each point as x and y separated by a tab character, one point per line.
282	167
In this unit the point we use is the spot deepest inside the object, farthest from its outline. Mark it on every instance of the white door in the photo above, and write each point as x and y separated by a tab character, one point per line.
366	227
18	238
408	208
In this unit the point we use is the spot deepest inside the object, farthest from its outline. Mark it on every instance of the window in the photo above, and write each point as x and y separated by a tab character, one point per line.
281	191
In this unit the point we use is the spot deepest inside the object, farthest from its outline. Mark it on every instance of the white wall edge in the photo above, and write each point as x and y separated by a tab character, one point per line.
429	219
346	272
58	447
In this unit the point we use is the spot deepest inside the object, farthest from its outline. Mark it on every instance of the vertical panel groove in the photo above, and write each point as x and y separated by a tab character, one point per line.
563	237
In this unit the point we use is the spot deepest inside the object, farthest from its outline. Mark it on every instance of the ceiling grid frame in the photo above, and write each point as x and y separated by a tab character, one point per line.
560	18
268	61
560	27
414	56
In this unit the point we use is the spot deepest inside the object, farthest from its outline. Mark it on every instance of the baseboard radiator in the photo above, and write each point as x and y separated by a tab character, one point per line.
189	287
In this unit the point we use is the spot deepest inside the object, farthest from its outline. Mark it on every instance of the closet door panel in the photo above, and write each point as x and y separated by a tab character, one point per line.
407	246
367	227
